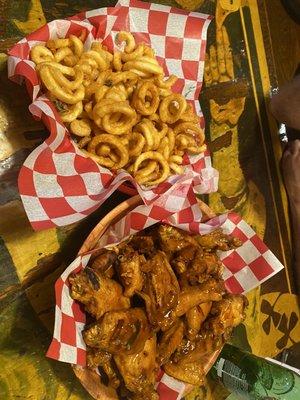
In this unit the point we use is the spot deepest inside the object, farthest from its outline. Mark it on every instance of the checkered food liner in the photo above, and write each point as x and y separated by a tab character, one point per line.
58	184
244	269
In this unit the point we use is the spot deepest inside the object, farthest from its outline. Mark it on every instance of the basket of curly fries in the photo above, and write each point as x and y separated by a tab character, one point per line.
176	288
118	89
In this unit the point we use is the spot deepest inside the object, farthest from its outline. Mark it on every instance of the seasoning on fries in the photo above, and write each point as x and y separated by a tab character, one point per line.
119	107
168	308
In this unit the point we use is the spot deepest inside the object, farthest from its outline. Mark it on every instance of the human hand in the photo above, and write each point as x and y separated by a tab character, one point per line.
291	173
219	61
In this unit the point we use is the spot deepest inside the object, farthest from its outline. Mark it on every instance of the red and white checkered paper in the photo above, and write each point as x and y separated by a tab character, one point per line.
57	183
244	269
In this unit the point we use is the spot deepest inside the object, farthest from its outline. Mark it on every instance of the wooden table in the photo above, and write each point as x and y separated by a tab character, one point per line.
245	149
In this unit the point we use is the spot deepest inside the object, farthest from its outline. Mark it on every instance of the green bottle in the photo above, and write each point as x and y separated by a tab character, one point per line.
255	378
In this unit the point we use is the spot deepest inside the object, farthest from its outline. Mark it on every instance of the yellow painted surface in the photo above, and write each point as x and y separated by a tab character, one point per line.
230	5
266	85
15	118
190	4
11	131
25	371
26	247
226	161
264	342
3	59
287	308
252	321
35	18
19	382
232	183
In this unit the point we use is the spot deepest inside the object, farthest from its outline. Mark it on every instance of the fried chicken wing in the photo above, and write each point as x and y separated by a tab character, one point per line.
93	289
227	314
153	395
160	291
202	346
189	297
170	341
203	267
183	258
195	318
112	376
196	265
142	244
131	275
122	331
139	370
103	262
98	358
217	240
186	346
190	373
173	239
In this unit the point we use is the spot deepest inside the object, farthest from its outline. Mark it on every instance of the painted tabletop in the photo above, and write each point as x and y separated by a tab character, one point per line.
245	149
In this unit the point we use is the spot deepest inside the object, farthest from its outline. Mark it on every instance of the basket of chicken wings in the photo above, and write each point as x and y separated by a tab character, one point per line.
146	307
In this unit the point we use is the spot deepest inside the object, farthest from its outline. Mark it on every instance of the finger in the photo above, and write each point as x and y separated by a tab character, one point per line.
213	64
286	154
207	71
286	158
220	14
224	78
220	52
228	53
294	147
287	149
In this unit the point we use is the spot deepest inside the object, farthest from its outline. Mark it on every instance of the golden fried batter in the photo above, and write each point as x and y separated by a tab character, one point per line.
173	239
169	342
227	314
211	290
93	289
161	290
196	265
143	244
109	370
202	268
184	257
202	346
96	357
190	373
186	346
122	331
103	262
139	370
195	317
218	240
130	272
